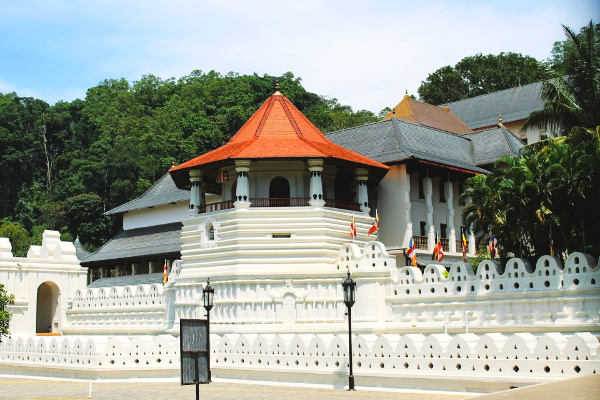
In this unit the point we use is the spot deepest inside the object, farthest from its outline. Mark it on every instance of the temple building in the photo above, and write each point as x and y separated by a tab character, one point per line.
274	221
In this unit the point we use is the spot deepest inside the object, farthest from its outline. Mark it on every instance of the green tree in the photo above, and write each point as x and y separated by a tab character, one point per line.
18	236
552	187
480	74
5	316
572	93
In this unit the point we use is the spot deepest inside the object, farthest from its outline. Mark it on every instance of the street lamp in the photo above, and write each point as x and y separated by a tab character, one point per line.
208	294
349	287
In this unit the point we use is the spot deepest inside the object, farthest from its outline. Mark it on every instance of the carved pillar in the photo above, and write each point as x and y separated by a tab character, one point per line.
315	167
362	196
450	204
196	190
429	212
242	191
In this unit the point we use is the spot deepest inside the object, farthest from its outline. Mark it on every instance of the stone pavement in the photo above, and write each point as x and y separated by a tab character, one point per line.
28	388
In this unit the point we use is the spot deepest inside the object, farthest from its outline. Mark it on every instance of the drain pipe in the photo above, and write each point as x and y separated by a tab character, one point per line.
467	315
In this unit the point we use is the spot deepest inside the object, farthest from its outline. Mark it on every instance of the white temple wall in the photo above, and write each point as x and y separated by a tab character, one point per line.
465	362
51	269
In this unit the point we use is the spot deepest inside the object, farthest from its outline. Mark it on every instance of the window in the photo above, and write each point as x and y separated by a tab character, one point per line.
422	225
421	188
442	192
281	235
443	228
211	232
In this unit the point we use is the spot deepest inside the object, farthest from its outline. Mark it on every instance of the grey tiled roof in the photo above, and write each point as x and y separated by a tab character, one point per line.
80	252
492	144
513	104
131	280
131	243
395	140
162	192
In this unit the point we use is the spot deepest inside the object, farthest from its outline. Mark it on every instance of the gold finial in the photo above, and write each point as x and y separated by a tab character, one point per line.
447	108
499	119
394	112
277	86
172	163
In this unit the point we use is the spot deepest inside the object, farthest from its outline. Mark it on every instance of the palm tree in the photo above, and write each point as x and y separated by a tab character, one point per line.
572	99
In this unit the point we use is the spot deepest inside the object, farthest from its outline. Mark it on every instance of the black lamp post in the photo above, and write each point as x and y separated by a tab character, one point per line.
208	294
349	287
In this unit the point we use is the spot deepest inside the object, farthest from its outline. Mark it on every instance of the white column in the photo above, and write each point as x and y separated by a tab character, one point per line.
405	176
315	166
196	190
242	190
362	196
429	212
450	204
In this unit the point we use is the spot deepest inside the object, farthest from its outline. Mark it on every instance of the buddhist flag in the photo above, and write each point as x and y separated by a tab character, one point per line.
375	226
551	243
492	245
440	250
464	244
410	252
434	256
352	228
165	275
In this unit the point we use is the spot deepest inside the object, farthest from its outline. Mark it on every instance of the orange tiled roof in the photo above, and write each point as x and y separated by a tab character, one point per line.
425	114
278	130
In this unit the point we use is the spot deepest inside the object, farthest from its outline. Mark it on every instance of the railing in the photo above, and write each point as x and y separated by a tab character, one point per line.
344	205
281	202
420	242
224	205
445	244
459	248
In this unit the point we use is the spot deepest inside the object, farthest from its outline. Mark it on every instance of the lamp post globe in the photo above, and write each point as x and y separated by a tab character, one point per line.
208	296
349	287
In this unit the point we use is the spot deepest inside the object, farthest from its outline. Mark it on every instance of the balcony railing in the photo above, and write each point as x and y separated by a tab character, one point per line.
344	205
281	202
445	244
420	242
224	205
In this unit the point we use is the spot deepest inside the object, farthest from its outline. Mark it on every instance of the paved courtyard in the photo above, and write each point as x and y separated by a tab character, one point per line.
23	388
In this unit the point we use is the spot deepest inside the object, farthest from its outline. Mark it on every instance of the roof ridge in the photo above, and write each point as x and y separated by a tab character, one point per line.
399	142
505	133
140	196
438	129
264	118
492	93
288	113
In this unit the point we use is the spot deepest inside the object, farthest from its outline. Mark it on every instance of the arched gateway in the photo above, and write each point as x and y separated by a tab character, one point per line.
47	306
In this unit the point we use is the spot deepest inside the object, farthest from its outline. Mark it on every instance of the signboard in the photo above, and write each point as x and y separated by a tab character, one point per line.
193	341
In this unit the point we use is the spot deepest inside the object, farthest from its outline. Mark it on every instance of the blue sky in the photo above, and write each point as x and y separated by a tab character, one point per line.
365	53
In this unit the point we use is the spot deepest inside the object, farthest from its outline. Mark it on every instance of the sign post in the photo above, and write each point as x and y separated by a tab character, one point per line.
193	341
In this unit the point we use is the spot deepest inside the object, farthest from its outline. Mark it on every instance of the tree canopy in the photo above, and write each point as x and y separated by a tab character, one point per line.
480	74
572	91
5	316
552	188
63	166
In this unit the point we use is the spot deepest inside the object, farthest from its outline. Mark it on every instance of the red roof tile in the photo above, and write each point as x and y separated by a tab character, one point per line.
425	114
278	130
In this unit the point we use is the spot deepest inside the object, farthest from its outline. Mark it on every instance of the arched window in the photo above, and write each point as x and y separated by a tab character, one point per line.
210	232
279	192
